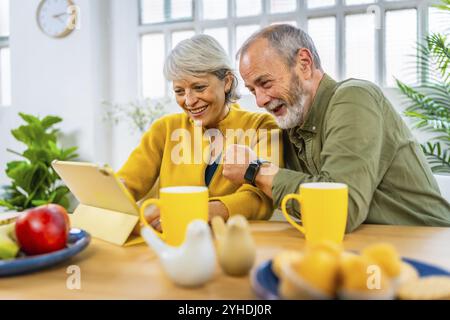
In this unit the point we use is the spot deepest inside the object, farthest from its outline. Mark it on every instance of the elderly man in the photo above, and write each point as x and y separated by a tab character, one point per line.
333	132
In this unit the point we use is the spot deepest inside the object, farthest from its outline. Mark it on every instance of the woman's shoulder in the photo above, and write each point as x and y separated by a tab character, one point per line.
171	119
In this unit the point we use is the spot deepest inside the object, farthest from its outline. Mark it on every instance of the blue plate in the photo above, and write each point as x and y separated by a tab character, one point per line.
78	240
265	282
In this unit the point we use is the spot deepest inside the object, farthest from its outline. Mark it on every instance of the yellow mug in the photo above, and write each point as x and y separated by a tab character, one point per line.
323	207
178	206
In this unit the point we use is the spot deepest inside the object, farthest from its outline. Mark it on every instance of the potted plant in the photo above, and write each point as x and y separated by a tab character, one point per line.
429	102
33	180
139	114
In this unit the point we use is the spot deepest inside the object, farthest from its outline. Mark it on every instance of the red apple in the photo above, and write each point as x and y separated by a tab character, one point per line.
43	229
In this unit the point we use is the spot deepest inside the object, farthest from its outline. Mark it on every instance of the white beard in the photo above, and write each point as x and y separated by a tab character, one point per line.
293	116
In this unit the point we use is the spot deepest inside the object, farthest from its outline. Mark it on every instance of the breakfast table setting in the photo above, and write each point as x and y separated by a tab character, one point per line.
106	249
108	271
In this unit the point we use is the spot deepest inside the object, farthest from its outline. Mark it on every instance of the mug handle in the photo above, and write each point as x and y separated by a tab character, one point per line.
147	203
286	214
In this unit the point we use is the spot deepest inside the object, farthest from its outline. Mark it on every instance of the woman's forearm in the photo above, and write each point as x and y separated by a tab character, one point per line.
217	208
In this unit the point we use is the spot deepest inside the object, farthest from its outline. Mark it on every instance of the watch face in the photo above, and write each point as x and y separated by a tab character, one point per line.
57	18
250	173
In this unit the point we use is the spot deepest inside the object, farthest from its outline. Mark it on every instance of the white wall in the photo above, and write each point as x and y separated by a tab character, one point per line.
68	77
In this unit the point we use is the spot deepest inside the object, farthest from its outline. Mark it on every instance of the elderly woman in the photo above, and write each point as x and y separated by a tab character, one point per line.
205	85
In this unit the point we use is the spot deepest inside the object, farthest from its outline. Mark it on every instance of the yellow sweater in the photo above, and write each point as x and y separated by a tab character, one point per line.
158	155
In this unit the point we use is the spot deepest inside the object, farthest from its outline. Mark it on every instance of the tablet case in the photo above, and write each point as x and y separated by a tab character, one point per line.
107	210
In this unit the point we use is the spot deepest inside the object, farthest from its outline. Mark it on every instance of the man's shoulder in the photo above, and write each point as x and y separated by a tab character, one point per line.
358	87
362	93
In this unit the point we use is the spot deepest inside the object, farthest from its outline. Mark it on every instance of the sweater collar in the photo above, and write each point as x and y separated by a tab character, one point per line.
225	122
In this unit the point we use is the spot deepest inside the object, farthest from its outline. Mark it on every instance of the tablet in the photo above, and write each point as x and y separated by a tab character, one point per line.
96	185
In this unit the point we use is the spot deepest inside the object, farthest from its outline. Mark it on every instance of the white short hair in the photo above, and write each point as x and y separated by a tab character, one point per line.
286	40
200	55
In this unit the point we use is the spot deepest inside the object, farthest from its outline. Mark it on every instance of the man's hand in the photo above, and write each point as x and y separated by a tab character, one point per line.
235	163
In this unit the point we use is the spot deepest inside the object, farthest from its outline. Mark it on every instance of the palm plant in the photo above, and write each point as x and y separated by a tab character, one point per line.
429	102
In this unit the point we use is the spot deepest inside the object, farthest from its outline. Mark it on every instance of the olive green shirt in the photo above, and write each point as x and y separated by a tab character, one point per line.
352	134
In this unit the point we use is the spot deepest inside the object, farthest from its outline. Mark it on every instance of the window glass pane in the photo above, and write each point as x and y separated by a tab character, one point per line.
180	36
220	34
152	11
215	9
360	46
439	21
323	33
5	76
4	18
155	11
277	6
181	9
320	3
152	65
352	2
292	23
248	7
401	38
242	33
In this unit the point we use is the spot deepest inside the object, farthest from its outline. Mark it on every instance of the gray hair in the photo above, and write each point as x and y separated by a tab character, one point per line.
200	55
286	40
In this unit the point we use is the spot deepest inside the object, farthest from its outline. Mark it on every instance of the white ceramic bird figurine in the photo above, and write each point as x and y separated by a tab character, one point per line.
235	246
191	264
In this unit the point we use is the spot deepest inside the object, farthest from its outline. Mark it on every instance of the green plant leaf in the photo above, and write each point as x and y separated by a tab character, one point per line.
29	118
438	158
37	203
68	154
22	174
6	204
49	121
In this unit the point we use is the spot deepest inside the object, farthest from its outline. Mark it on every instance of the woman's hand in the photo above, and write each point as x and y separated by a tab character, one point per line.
217	208
152	215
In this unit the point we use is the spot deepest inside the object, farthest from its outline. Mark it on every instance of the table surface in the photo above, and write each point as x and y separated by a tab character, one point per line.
112	272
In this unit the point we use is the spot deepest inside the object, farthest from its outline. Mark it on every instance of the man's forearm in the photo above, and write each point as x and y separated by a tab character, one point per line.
264	178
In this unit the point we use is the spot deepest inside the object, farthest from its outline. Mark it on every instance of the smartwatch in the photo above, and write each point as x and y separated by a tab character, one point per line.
252	170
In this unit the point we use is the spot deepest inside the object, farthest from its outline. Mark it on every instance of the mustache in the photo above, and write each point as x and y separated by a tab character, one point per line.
274	104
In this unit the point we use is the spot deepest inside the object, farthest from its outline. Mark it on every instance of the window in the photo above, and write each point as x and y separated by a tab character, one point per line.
323	33
5	61
360	46
400	45
367	39
157	11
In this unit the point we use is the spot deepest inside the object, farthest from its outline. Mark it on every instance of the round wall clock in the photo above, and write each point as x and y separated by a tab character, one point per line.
57	18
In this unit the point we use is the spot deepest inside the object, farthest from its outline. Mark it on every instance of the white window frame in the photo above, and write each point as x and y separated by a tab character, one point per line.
301	16
4	43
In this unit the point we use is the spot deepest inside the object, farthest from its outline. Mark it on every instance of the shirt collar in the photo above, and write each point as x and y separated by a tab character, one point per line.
318	108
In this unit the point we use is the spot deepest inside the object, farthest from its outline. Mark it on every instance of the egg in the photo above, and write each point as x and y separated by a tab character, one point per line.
320	269
359	280
284	257
386	257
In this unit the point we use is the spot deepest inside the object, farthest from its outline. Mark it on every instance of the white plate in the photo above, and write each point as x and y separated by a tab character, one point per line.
6	217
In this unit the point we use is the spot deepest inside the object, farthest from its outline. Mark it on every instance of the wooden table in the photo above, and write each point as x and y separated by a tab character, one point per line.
112	272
